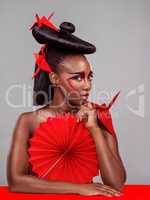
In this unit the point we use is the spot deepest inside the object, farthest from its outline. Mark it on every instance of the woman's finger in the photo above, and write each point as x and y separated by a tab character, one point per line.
109	189
114	193
90	105
83	116
79	117
114	190
101	192
78	114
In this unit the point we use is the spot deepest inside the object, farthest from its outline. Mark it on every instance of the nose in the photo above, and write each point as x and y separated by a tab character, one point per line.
87	85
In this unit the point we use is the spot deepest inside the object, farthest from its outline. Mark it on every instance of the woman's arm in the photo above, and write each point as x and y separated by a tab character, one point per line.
18	176
111	167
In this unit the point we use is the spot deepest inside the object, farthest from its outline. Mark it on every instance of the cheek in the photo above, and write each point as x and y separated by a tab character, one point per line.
73	85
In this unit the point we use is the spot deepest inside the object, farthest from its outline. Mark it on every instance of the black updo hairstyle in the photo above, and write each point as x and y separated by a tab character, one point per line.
58	46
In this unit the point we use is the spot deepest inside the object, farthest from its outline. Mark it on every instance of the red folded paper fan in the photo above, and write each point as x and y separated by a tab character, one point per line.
63	149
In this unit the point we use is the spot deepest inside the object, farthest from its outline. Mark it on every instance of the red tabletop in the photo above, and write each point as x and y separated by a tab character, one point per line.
134	192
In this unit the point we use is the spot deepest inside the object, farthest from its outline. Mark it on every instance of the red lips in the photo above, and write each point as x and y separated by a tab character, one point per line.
85	96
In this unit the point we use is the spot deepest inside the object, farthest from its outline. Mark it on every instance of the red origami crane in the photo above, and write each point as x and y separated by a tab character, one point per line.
44	21
63	149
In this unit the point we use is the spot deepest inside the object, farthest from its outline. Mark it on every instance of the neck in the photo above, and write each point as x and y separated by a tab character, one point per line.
60	103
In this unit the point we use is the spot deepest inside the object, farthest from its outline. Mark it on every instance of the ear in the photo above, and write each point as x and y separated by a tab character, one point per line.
54	78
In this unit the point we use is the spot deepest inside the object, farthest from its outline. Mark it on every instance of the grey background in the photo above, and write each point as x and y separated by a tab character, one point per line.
120	29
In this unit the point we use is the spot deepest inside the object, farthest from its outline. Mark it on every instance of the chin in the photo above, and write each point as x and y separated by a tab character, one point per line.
77	103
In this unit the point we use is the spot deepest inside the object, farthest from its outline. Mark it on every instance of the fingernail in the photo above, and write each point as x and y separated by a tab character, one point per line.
117	195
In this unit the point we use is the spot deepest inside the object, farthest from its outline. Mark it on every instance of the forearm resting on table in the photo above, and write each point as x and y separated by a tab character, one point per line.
111	168
33	184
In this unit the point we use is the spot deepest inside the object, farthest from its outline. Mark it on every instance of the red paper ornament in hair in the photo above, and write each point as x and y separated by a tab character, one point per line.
40	59
104	114
44	21
41	62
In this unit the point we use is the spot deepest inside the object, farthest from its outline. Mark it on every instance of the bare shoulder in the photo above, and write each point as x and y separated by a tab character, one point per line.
34	118
23	124
24	117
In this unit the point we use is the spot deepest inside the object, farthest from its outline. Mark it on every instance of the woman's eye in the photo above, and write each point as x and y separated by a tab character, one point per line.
90	78
77	78
80	79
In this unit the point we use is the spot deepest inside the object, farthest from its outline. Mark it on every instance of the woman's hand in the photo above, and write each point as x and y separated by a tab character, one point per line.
88	114
98	189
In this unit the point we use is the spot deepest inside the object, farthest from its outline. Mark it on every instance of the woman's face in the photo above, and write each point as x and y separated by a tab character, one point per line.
75	78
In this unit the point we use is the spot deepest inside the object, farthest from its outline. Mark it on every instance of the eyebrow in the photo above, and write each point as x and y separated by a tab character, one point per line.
91	72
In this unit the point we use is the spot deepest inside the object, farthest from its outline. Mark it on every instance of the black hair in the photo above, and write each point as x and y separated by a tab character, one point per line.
58	46
43	89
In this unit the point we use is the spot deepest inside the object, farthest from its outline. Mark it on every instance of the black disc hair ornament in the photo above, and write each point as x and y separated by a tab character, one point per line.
45	32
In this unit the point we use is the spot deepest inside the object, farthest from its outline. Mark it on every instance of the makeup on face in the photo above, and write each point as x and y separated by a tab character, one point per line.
79	75
82	73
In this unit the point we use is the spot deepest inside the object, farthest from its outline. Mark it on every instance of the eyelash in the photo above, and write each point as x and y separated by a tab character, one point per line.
75	77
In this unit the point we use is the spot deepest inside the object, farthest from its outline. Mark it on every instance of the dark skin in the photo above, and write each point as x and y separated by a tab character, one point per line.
70	86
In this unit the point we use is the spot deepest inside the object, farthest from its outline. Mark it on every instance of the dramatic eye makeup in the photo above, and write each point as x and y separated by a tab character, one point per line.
81	75
78	76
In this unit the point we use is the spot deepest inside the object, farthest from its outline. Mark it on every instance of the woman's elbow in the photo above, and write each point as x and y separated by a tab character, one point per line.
11	188
14	185
119	185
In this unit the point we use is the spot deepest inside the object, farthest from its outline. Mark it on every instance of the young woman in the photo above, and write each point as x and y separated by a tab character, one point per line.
62	82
